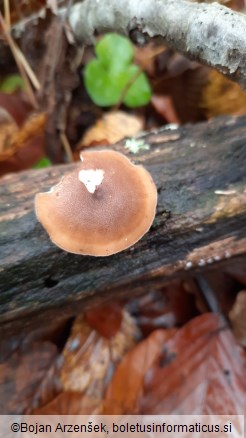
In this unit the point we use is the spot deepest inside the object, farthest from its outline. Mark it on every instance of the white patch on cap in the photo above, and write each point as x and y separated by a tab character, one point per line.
91	178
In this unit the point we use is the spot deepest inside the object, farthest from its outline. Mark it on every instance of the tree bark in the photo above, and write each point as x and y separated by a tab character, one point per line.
200	224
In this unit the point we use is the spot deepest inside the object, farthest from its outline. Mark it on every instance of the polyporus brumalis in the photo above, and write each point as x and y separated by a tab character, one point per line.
103	207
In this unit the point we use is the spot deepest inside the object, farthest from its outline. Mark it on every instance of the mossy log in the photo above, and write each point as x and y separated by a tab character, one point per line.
200	173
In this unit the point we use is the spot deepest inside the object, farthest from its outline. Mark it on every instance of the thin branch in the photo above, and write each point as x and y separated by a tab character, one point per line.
7	13
67	147
17	53
33	78
23	73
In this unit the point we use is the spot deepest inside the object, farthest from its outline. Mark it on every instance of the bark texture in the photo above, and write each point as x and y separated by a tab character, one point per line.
200	224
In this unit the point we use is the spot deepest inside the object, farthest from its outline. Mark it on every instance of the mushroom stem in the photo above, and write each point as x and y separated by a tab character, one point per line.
91	178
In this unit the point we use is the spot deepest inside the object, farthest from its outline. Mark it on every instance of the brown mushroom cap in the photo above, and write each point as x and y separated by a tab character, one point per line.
113	218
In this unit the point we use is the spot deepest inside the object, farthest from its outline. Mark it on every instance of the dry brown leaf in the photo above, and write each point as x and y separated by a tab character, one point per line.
165	308
48	389
33	127
182	81
89	359
201	370
21	375
105	319
21	9
164	106
112	127
170	64
145	57
8	128
17	105
224	290
222	96
126	387
24	157
237	318
17	139
237	269
22	138
180	303
70	403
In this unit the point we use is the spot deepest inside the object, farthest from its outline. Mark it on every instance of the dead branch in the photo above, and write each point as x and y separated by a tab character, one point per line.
209	33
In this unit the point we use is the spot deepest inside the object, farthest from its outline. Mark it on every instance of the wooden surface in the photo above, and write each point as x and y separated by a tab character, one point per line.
196	227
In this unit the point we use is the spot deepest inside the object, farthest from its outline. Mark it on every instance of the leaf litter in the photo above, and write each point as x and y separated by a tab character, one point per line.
184	363
197	369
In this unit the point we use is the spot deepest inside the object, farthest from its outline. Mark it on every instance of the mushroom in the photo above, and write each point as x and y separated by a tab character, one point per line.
103	207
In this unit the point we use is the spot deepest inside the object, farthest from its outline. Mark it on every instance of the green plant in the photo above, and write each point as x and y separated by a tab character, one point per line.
43	162
12	83
112	77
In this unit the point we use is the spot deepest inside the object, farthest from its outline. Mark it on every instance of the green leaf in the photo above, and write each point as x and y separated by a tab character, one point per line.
43	162
103	88
114	51
108	76
139	93
12	83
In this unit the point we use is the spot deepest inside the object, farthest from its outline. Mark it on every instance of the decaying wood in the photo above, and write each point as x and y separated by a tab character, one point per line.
200	223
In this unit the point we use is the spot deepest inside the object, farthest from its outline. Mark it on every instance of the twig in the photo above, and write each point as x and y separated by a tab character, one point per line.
33	78
66	146
15	50
7	14
19	64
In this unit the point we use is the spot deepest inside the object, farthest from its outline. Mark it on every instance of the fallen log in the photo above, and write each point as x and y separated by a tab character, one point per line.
200	224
